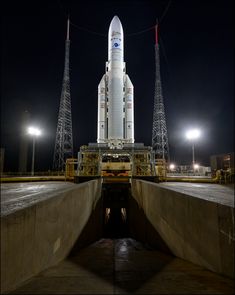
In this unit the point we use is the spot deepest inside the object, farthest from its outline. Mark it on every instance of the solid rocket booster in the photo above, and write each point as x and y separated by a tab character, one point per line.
115	94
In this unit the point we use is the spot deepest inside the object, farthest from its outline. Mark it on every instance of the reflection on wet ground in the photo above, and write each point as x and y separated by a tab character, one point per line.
16	196
125	266
221	194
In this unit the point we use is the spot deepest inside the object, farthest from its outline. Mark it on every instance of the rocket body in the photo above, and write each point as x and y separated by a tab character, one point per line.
115	94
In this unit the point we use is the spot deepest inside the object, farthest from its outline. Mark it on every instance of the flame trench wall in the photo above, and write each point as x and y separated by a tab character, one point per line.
40	236
192	228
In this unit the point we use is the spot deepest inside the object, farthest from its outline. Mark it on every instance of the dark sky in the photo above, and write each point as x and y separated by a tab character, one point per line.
197	68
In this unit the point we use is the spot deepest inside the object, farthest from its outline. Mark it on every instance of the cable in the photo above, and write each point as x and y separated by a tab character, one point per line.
165	56
165	11
62	8
161	41
87	30
105	35
140	32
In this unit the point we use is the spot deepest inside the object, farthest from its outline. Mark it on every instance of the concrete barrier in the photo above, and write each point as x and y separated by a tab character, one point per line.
193	229
37	237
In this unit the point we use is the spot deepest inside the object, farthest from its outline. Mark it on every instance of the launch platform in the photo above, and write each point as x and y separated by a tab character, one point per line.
132	160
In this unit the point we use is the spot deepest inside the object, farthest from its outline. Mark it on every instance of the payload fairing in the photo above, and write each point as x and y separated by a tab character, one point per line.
115	94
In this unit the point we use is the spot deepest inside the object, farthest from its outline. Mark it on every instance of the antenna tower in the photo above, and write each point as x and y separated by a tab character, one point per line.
64	136
159	132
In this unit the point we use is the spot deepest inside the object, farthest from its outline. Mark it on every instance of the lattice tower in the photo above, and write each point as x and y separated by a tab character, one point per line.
64	136
159	131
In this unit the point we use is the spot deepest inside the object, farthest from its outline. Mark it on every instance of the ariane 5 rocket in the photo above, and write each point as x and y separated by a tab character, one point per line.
115	94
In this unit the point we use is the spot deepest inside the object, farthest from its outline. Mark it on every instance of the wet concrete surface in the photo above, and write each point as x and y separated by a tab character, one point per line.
125	266
217	193
16	196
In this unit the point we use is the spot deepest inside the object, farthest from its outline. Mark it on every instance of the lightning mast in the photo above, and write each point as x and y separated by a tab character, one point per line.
159	131
64	137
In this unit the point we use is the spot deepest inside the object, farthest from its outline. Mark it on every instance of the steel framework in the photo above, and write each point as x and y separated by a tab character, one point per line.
64	137
159	131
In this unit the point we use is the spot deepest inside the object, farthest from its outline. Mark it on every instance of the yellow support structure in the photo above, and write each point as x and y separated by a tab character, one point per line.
70	168
161	169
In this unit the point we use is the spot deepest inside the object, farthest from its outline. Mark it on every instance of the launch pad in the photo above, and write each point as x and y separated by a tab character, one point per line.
100	160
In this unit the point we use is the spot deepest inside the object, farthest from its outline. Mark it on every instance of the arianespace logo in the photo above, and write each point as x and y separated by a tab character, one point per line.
116	42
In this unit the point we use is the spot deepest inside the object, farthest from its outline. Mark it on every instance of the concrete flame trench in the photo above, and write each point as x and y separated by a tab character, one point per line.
89	238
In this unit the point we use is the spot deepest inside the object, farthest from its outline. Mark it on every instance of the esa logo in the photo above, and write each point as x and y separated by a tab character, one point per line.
115	45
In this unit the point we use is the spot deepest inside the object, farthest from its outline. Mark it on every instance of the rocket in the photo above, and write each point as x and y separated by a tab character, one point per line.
115	124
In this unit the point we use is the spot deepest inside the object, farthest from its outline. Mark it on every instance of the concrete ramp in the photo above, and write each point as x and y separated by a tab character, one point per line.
196	225
39	235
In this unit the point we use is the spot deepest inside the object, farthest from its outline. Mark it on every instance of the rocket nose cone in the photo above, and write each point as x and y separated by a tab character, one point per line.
115	19
116	25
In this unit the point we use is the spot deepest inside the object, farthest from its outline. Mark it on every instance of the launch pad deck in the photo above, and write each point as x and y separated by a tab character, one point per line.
130	160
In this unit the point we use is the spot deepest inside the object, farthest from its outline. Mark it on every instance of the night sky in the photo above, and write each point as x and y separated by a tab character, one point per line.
197	70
